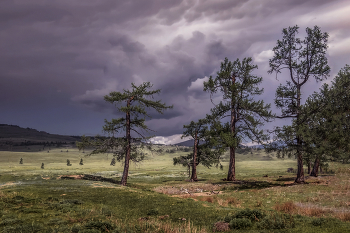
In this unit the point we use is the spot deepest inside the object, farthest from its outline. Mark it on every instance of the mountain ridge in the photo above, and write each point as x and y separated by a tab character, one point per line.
16	133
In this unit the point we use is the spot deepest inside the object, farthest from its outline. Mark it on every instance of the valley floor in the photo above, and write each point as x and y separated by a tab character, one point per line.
159	197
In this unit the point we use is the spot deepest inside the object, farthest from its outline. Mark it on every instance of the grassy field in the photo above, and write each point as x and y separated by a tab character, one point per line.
159	198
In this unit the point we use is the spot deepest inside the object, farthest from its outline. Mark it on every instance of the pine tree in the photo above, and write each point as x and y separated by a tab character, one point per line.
326	114
238	86
136	101
202	153
113	162
303	59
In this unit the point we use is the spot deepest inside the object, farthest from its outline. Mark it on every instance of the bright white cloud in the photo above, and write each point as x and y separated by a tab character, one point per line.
198	84
169	140
264	56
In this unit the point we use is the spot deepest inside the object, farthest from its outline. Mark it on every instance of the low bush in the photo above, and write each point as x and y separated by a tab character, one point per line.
75	228
106	211
276	221
240	223
318	221
228	218
221	227
98	225
153	212
252	215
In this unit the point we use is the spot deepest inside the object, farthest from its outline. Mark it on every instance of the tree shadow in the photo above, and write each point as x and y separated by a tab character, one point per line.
242	184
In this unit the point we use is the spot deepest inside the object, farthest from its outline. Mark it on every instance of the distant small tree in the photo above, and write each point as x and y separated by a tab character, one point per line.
113	162
204	153
81	162
68	163
136	101
21	161
42	166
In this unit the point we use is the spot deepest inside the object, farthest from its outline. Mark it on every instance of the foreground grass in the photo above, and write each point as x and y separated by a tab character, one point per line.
159	199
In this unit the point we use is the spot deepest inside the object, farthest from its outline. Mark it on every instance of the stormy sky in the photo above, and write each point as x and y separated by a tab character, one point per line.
58	58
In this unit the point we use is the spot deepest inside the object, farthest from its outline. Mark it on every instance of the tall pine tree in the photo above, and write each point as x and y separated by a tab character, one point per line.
302	59
244	115
136	101
326	128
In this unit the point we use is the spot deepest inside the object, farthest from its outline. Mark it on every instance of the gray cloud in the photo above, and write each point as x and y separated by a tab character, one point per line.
60	58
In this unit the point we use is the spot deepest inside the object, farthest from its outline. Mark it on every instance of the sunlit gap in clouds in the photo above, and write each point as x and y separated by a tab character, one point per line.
169	140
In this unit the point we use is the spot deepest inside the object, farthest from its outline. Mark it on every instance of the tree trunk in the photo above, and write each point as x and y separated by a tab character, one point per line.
314	171
308	166
128	148
231	176
194	162
300	173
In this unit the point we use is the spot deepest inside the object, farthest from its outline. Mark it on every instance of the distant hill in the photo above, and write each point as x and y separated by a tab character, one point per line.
188	143
185	143
191	142
18	134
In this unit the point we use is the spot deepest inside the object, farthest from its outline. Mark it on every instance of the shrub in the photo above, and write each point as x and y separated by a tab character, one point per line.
240	223
106	211
318	221
98	225
221	227
153	212
276	221
228	218
113	162
252	215
76	228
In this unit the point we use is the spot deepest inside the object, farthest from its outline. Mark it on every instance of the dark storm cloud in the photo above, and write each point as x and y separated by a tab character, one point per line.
61	57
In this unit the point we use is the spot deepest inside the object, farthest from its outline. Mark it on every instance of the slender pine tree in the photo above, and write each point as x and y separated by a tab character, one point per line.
244	114
203	151
303	59
326	117
128	148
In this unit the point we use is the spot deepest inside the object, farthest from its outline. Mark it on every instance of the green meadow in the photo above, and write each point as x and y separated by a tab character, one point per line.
159	198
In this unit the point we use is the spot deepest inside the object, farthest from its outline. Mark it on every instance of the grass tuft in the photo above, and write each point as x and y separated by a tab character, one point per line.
287	207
